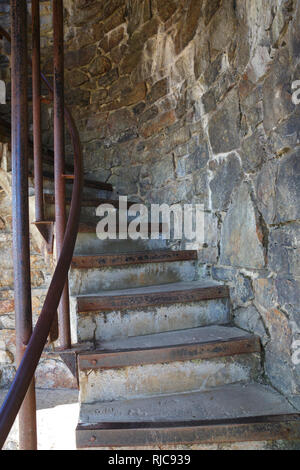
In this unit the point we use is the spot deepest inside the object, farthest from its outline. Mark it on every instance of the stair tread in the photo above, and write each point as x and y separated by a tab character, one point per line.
202	334
149	296
190	344
229	402
156	289
128	258
88	201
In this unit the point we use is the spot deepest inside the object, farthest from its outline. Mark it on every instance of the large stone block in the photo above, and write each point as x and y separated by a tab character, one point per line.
277	94
166	9
227	174
80	57
224	126
284	250
241	240
253	151
265	184
288	188
188	26
249	319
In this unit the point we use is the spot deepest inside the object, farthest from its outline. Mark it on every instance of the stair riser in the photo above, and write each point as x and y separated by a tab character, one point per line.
89	281
84	440
104	326
89	244
175	377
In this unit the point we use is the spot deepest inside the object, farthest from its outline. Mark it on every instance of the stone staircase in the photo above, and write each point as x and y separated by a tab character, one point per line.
158	361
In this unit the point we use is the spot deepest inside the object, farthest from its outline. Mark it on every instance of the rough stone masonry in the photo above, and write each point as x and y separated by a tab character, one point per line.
190	101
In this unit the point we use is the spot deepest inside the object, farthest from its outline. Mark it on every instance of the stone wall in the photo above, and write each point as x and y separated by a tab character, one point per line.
183	101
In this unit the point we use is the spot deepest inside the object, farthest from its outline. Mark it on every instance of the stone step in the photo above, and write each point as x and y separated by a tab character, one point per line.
88	206
110	276
195	359
124	259
153	309
87	243
229	414
181	292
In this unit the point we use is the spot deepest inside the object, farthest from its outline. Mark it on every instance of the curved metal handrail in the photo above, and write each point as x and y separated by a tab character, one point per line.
34	349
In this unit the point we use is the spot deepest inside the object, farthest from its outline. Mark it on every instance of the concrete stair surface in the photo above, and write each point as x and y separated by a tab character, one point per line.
159	362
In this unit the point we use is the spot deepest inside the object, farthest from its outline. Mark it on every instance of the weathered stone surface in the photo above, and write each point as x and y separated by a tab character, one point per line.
76	78
81	98
278	351
111	6
249	319
253	151
266	296
130	62
198	159
157	125
209	102
259	64
224	126
284	250
277	94
200	181
6	306
210	8
288	188
79	58
120	121
53	373
222	27
131	96
227	175
100	66
141	36
108	78
288	296
265	183
188	26
115	20
213	71
241	292
158	90
166	9
240	233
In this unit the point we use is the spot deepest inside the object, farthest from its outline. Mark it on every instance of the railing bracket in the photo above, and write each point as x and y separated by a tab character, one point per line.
46	229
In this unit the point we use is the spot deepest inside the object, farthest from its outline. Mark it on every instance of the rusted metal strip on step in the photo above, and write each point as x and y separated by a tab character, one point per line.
262	428
116	359
123	259
120	302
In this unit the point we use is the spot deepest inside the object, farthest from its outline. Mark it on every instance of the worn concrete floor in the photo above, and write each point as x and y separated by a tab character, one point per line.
57	418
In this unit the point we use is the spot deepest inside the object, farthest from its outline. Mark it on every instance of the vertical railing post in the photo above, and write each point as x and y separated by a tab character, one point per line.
36	102
20	210
59	163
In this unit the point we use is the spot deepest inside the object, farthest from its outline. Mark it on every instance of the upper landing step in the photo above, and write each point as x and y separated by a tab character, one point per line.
179	292
232	413
125	259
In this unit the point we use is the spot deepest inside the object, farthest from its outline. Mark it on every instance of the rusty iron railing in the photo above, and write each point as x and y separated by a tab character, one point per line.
32	345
